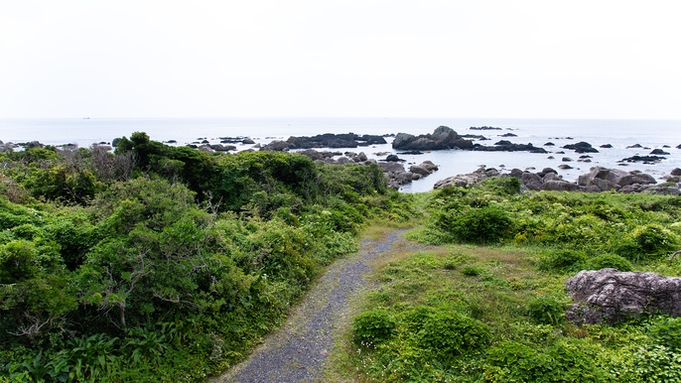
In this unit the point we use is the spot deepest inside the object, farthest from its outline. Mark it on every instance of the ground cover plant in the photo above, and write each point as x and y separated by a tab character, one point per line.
486	302
162	263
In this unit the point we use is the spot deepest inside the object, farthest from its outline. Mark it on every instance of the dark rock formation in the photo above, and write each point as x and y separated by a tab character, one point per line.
581	147
676	172
222	148
277	146
393	158
442	138
610	296
558	185
636	178
329	140
475	137
549	144
509	135
659	152
635	146
644	159
484	128
606	146
507	146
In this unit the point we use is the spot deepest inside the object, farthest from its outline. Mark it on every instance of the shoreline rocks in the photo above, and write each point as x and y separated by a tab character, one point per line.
599	179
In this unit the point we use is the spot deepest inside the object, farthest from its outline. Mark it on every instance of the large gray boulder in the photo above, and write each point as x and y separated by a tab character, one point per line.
610	296
559	185
601	179
637	178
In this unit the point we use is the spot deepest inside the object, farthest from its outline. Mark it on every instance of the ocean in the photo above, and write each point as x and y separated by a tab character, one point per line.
651	134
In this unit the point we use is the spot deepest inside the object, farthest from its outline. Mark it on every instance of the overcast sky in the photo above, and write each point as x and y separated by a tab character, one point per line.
349	58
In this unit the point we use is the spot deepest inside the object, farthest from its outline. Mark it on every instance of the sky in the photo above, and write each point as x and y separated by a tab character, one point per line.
367	58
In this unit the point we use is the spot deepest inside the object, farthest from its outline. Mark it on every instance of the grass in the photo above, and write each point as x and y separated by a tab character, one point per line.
440	276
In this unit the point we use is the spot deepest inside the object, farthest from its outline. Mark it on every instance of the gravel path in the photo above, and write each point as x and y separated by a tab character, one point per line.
297	352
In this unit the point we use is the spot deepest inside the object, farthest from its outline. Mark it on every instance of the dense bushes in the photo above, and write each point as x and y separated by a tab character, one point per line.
164	263
577	230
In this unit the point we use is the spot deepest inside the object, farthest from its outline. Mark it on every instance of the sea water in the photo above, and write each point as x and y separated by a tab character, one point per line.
651	134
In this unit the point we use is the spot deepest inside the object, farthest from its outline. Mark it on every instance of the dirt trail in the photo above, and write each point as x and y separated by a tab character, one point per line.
297	352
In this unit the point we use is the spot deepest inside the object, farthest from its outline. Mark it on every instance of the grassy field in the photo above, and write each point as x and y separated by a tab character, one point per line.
485	301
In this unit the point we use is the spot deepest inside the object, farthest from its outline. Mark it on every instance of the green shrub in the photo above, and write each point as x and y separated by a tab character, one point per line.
648	241
667	332
487	224
502	185
609	260
561	362
471	270
563	261
448	334
546	310
372	327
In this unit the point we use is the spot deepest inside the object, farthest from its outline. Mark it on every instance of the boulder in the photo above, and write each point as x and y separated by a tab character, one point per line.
551	177
663	190
420	170
464	180
392	167
610	296
277	146
531	180
659	152
601	178
676	172
393	158
429	165
559	185
606	146
581	147
222	148
636	178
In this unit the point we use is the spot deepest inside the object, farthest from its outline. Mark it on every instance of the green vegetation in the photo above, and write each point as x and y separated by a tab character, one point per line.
486	302
162	263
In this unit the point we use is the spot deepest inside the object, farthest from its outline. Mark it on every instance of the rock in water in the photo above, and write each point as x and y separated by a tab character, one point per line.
610	296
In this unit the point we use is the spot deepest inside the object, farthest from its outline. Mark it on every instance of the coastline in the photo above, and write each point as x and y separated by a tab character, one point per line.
620	134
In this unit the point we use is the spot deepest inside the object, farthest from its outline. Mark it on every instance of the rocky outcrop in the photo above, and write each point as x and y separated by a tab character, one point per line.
466	180
581	147
487	128
442	138
597	180
328	140
649	160
507	146
610	296
601	179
